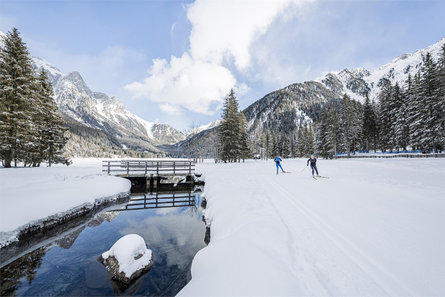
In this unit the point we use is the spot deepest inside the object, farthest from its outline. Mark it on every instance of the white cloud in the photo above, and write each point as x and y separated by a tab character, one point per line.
221	37
227	28
170	109
184	82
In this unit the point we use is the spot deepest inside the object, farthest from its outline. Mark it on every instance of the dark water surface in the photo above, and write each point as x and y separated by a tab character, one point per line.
69	265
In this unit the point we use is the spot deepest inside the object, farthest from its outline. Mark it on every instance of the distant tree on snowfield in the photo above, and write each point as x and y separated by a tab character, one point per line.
233	134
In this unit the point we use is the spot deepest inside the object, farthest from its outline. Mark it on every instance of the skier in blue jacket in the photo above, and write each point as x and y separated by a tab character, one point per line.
277	162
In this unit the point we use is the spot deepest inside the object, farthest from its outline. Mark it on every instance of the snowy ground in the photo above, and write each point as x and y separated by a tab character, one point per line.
30	195
376	227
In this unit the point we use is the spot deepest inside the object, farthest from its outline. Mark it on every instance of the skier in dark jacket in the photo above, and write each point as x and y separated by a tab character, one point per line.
277	162
313	162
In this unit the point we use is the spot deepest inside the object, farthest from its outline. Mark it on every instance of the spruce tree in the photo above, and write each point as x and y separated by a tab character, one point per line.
439	104
334	132
308	140
349	125
52	139
385	117
416	113
268	143
322	144
16	100
245	152
400	125
300	141
233	131
428	87
369	125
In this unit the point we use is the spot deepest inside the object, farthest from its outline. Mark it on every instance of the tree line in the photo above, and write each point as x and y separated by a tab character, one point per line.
31	128
411	116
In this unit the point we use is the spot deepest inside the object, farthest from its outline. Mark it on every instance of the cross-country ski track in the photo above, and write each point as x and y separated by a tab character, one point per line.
375	227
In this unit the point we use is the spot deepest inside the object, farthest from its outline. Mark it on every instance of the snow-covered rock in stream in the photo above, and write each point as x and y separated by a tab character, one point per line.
127	259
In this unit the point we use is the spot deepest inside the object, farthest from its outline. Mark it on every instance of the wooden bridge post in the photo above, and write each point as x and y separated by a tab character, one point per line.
174	165
108	171
145	168
128	168
151	183
157	167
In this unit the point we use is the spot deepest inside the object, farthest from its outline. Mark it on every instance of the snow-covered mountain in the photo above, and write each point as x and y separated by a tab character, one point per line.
360	81
283	110
98	110
199	129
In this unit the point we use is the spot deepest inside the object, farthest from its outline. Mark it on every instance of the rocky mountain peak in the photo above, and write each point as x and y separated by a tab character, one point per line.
100	97
76	79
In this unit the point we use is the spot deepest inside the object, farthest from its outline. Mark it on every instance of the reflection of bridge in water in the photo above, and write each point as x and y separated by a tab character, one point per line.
160	200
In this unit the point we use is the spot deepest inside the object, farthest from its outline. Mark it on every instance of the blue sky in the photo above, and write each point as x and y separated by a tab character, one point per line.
173	61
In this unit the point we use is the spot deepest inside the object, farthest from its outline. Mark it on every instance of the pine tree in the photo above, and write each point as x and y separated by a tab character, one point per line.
285	145
16	95
321	142
268	143
428	87
385	117
233	131
439	104
349	125
52	139
369	126
308	140
300	141
245	152
400	125
416	114
334	132
292	145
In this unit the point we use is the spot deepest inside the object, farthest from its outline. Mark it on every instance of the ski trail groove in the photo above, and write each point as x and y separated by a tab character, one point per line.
359	257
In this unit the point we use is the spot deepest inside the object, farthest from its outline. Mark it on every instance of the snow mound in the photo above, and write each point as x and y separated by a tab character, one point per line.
132	256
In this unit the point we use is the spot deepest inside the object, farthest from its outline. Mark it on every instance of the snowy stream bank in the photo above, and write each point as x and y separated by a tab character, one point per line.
375	227
32	198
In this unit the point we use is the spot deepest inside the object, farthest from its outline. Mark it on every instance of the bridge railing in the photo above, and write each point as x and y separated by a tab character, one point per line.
147	167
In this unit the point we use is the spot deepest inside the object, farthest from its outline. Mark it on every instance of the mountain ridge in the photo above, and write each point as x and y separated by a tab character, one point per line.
285	109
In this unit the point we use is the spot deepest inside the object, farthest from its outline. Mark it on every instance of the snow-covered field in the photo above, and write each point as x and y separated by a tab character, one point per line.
376	227
31	195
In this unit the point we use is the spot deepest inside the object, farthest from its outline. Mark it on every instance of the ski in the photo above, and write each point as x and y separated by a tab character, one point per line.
314	177
322	176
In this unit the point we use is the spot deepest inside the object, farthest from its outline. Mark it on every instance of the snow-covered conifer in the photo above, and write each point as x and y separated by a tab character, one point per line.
16	100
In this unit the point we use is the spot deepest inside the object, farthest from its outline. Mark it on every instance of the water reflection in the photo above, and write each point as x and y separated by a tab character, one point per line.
173	234
160	200
69	266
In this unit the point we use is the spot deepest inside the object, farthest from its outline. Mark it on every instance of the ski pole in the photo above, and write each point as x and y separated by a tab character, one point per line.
303	168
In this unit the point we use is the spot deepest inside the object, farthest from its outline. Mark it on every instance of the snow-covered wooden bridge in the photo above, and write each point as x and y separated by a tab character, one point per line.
151	174
147	167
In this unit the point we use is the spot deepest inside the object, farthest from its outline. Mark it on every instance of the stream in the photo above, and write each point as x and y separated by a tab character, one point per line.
171	224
